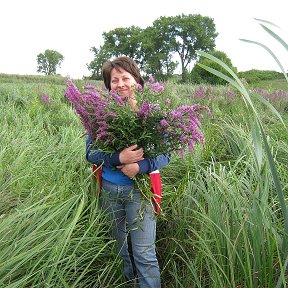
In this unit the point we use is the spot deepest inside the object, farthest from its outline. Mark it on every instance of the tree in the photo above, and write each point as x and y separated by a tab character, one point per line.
157	57
117	42
124	41
95	66
185	34
48	61
200	75
155	47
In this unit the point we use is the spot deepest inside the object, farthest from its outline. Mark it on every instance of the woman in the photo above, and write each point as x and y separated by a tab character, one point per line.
130	213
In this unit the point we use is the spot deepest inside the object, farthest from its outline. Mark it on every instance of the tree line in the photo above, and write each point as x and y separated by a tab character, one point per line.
160	49
155	47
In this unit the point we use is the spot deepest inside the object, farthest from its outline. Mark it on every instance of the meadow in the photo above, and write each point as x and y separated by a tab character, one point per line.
221	223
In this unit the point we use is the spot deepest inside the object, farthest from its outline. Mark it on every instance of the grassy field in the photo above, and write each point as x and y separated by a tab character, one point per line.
222	223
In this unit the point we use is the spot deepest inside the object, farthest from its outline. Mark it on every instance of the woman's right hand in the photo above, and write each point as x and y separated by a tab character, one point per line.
131	155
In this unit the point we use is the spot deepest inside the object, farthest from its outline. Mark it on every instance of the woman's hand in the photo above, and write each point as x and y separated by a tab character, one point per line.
129	170
130	155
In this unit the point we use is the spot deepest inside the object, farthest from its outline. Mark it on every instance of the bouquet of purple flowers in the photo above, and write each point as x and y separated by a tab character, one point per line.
152	123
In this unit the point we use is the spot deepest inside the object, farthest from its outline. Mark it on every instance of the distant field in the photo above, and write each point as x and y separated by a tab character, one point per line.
272	84
278	84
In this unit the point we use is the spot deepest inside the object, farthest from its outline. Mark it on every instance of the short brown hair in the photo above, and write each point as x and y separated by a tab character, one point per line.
125	63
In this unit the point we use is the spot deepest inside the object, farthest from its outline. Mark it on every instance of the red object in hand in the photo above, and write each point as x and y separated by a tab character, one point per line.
156	189
97	175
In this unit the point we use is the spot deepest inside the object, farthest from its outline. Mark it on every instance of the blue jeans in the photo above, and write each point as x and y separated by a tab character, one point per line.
131	214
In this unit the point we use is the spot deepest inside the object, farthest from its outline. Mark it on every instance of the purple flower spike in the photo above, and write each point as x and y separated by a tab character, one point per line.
164	123
139	87
46	99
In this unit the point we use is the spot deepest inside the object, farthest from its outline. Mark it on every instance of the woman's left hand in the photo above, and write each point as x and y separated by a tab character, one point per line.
129	170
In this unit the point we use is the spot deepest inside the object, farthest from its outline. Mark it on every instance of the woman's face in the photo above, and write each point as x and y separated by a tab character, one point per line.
122	82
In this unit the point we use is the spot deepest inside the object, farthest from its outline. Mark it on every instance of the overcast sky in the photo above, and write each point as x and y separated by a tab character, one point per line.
72	27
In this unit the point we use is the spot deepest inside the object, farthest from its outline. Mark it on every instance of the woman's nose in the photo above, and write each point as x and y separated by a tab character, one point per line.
120	83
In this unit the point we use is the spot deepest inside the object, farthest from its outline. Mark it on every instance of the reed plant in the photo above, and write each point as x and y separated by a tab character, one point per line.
221	221
261	145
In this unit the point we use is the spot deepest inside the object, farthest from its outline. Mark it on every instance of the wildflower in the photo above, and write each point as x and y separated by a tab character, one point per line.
151	79
89	87
139	87
45	99
199	93
163	123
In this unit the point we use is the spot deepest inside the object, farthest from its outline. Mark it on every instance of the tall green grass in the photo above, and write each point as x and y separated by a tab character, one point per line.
260	141
224	224
221	223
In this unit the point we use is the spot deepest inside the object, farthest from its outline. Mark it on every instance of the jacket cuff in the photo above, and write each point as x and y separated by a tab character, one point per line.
115	161
143	166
